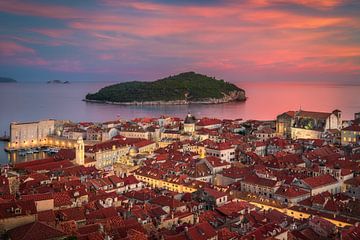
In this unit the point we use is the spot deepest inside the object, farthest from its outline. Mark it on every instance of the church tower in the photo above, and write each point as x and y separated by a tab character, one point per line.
189	124
80	152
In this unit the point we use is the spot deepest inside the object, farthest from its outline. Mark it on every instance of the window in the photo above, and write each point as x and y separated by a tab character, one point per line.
17	211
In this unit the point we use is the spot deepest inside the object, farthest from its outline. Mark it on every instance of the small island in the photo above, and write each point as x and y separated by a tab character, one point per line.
184	88
7	80
57	82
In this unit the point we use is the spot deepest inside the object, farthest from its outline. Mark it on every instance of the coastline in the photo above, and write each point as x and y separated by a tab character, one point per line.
176	102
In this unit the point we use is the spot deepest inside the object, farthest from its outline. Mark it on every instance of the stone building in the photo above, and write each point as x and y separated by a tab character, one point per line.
189	124
312	125
31	134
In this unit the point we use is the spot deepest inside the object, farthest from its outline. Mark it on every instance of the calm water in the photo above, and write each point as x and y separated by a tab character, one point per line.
34	101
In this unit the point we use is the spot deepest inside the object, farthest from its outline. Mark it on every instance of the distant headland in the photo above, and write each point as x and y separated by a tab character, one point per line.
57	82
7	80
184	88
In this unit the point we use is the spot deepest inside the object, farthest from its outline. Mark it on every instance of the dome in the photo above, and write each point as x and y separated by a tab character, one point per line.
189	119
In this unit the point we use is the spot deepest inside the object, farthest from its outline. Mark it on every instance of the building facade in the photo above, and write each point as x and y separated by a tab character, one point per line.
30	134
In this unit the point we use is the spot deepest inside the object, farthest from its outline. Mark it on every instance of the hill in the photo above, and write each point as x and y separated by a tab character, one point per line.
7	80
184	88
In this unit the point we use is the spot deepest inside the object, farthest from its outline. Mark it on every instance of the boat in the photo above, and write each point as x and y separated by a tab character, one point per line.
30	151
46	150
22	152
53	150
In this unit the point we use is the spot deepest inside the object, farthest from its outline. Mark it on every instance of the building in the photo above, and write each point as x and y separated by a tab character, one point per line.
260	186
29	134
350	135
357	116
224	151
291	194
208	123
189	124
107	153
284	122
80	152
135	132
319	184
264	133
211	197
352	187
312	125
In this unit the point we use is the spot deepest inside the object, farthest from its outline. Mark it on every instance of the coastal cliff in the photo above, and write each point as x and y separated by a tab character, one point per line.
184	88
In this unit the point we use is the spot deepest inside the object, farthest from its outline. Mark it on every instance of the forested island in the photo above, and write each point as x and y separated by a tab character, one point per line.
184	88
7	80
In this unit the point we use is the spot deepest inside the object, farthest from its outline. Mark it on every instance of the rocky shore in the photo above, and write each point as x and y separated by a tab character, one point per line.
234	96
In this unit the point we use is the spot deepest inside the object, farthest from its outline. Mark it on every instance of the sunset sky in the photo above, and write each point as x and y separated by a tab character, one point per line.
241	40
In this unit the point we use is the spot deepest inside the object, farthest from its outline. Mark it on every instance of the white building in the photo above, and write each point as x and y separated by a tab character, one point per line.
224	151
319	184
29	134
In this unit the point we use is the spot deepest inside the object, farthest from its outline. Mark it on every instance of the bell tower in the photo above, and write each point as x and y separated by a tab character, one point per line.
80	152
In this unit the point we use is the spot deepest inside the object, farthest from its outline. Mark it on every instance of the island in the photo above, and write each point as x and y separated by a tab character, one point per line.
184	88
7	80
58	82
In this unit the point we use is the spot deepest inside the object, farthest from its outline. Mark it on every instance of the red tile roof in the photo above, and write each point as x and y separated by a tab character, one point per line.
234	209
62	199
167	201
355	128
8	209
46	216
35	231
255	180
291	191
208	122
319	181
201	231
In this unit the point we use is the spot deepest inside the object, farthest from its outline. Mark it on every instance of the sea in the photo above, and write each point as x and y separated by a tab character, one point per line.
21	102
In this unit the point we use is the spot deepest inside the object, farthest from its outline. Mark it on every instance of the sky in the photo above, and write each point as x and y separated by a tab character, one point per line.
122	40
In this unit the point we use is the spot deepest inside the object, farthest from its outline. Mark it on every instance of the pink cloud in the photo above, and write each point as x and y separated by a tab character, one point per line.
53	33
9	49
321	4
42	10
233	36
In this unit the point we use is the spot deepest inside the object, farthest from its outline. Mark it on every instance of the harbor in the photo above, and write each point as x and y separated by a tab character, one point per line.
26	155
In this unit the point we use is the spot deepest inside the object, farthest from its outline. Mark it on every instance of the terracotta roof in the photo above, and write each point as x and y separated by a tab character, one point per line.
355	128
35	231
233	209
61	199
319	181
77	213
37	197
291	191
201	231
8	209
167	201
317	115
46	216
255	180
215	193
208	122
